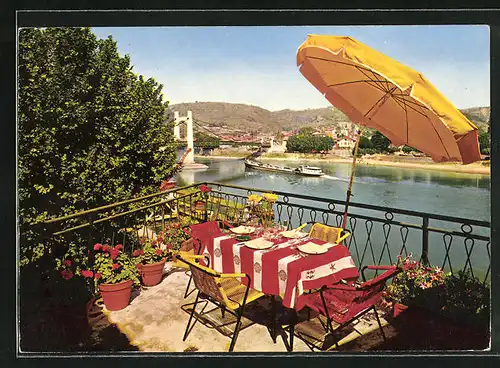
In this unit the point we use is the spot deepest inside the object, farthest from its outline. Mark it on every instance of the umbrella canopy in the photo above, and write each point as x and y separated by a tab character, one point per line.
379	92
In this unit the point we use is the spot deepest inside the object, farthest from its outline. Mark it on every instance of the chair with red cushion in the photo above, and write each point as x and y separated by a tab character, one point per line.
344	303
201	234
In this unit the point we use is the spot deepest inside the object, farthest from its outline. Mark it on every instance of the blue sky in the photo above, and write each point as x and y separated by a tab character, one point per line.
256	65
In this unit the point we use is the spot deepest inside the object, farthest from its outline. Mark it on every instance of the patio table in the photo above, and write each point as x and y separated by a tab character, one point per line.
281	270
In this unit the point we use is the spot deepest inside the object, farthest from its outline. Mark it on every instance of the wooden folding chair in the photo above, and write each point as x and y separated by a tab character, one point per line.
343	303
223	290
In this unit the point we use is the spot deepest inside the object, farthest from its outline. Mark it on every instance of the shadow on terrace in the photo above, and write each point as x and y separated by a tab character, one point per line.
155	321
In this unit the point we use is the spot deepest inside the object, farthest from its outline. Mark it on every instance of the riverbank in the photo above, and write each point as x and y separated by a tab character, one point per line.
425	163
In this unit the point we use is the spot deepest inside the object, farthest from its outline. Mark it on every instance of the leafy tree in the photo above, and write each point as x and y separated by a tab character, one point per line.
309	143
408	149
484	142
380	142
365	142
90	129
206	141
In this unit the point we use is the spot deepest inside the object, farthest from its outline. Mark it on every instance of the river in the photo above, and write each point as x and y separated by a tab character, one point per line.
445	193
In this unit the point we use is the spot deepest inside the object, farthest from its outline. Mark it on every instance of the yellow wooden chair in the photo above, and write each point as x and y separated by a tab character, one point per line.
334	235
222	289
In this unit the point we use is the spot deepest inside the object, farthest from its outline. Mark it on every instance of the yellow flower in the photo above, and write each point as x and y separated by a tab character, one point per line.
254	198
270	197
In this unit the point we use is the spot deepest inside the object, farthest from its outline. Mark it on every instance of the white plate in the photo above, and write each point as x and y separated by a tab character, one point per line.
292	234
258	243
242	230
312	248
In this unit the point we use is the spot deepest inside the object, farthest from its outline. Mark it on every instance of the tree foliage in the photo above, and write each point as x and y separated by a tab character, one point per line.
89	128
380	142
206	141
484	142
365	142
306	143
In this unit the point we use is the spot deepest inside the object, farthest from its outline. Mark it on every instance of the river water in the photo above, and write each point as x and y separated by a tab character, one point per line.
445	193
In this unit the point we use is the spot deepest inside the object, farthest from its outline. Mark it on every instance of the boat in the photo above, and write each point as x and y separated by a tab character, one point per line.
309	171
268	167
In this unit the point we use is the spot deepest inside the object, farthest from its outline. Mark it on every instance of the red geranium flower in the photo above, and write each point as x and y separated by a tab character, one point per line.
114	253
87	273
159	252
205	188
153	242
97	275
115	266
159	239
97	246
66	274
137	252
106	248
67	262
119	247
169	246
141	240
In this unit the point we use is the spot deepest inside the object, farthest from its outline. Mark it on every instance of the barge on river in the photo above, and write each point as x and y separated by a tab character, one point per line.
301	170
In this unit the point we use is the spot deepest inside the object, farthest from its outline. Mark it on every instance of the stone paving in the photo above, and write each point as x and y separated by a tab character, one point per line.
155	322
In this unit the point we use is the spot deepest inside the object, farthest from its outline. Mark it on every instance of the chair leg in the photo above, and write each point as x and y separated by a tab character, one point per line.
191	317
223	311
379	324
236	331
187	288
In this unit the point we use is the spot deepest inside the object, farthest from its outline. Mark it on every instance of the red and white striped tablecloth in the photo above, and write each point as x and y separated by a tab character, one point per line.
281	270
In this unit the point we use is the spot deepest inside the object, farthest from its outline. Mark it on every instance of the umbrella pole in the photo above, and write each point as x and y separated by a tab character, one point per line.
353	168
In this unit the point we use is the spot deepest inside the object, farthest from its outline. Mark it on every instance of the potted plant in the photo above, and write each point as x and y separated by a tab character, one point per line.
150	260
408	286
200	198
113	275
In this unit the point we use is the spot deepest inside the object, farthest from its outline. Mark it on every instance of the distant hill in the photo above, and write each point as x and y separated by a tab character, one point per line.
254	119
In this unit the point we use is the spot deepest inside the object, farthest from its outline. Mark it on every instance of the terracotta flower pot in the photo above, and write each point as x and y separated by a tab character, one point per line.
116	296
151	274
199	205
398	308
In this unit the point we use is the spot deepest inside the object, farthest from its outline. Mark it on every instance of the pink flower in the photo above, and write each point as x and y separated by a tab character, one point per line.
106	248
97	275
169	246
115	266
66	274
87	273
159	252
153	242
97	246
119	247
67	262
160	239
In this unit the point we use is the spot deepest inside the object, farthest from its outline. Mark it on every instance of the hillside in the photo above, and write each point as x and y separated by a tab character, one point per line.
254	119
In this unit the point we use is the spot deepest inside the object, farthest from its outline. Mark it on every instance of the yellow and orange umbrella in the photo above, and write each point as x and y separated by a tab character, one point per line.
376	91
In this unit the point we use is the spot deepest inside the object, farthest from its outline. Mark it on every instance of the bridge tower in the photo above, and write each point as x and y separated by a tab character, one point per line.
188	120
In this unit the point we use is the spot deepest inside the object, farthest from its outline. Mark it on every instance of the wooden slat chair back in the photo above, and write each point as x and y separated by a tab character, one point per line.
334	235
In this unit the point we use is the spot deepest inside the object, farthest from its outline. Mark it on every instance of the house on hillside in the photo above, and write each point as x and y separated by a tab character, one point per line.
346	143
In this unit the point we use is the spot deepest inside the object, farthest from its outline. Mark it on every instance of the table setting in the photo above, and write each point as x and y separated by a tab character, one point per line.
279	261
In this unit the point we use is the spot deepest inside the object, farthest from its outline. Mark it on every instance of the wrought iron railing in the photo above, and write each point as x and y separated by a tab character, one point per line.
378	234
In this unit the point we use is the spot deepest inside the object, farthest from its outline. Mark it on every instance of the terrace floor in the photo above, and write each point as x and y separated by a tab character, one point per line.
155	322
